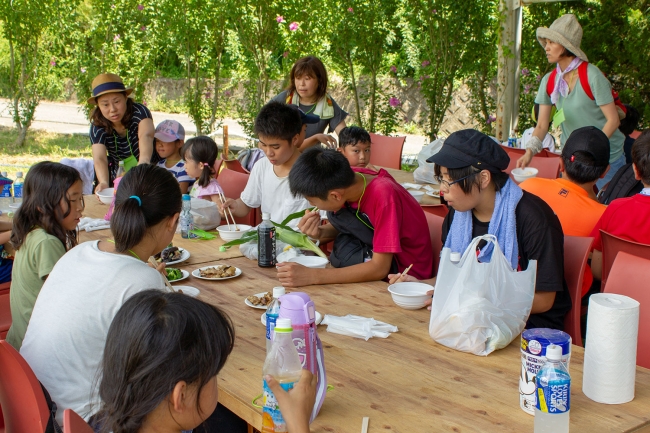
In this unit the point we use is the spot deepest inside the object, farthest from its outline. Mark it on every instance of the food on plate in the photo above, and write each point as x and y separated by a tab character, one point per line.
261	300
169	254
173	274
221	271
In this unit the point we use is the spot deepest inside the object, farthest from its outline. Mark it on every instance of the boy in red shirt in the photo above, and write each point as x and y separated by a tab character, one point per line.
629	217
381	227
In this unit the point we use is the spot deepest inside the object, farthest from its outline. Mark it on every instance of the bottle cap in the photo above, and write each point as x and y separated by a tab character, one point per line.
186	197
283	325
121	163
278	291
19	174
455	257
553	352
266	216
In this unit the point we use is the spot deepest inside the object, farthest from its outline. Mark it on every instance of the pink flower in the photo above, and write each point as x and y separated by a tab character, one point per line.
144	103
116	37
143	28
539	78
394	102
83	70
285	54
279	19
490	119
227	93
140	7
293	26
525	72
435	11
53	62
393	69
208	95
158	73
351	10
426	63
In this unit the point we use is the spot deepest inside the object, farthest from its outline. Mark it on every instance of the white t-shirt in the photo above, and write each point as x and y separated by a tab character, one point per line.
548	143
272	193
65	338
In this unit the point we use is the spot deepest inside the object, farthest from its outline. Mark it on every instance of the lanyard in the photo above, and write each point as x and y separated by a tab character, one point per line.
359	203
127	140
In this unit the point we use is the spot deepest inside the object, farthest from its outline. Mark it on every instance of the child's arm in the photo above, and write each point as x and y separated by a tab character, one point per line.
296	275
184	187
5	237
297	403
237	207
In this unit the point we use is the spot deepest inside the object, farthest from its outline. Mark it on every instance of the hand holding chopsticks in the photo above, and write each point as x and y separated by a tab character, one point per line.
400	278
227	211
155	265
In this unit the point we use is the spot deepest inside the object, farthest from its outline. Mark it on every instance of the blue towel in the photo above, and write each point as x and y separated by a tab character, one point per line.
502	225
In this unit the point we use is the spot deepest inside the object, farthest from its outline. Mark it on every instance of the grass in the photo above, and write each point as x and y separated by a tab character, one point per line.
39	146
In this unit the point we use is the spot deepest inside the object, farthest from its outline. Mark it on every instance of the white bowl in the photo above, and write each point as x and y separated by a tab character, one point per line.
521	174
310	261
105	195
188	290
411	295
418	195
230	235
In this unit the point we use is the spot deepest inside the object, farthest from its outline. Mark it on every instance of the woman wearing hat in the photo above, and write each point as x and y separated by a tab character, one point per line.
579	91
121	130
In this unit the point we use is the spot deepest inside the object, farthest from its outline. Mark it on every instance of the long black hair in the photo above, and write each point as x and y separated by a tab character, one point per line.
46	184
158	197
203	150
156	340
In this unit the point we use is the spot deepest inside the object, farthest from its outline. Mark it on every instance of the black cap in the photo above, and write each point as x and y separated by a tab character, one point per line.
591	140
306	118
471	147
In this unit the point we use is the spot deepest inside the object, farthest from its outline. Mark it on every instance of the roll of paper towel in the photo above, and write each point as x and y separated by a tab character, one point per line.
610	349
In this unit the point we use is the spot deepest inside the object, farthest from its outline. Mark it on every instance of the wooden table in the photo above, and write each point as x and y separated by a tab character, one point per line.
402	176
201	251
406	383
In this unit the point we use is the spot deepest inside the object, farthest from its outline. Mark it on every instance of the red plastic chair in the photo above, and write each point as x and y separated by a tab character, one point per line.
435	231
548	168
386	151
576	253
233	184
21	397
612	245
546	154
630	276
234	165
438	209
73	423
5	310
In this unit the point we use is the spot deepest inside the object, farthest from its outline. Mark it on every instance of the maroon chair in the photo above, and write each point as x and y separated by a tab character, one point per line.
576	253
233	184
437	209
5	310
234	165
612	245
435	231
386	151
73	423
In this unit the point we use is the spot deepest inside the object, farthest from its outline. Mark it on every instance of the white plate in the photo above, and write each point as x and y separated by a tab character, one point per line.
188	290
433	194
250	304
184	256
196	273
185	275
319	318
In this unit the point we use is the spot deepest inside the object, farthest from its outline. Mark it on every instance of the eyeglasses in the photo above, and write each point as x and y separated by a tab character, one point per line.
448	185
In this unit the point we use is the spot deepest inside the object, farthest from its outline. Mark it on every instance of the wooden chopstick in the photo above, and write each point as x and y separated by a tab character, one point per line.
223	201
154	263
364	424
403	274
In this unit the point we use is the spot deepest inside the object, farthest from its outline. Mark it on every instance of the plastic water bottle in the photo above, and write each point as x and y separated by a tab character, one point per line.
266	242
272	313
120	170
18	187
186	218
283	363
553	394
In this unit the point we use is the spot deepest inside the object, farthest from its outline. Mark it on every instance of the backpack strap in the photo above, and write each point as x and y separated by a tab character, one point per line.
550	84
584	80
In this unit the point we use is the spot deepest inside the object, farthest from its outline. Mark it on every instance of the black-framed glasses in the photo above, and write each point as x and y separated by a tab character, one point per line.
448	185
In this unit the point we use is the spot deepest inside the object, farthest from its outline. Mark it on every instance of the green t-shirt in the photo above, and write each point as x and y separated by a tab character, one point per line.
580	110
33	262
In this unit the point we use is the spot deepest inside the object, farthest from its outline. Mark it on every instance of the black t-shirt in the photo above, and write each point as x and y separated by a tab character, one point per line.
539	237
318	128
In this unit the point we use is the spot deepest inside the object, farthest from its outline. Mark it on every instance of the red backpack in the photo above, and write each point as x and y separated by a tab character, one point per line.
584	82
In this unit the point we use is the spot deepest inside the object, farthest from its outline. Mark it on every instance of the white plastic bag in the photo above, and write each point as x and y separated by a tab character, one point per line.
205	213
480	307
424	173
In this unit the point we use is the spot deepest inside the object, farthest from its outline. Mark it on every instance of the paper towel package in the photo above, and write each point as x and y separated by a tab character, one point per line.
610	349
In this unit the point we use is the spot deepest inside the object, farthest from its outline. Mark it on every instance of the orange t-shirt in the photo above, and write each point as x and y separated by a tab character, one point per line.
577	212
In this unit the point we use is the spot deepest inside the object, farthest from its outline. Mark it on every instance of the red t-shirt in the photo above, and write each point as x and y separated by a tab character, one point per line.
399	222
627	218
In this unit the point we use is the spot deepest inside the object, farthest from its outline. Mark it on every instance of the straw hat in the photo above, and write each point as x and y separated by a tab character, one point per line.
565	31
107	83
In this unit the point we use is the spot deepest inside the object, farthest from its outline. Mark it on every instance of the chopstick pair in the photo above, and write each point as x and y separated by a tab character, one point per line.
154	263
403	274
223	201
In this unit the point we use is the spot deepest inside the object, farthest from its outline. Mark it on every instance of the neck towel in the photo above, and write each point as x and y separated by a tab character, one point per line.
502	225
561	86
324	107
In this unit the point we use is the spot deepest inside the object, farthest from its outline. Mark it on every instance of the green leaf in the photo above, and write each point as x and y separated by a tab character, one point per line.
291	217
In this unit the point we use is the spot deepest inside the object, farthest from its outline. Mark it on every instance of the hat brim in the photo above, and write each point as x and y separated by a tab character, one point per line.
450	157
167	138
93	99
544	33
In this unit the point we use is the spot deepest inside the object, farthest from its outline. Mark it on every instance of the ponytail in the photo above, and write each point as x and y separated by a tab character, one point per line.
204	151
146	196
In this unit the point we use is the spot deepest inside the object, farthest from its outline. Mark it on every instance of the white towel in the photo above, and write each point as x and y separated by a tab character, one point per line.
92	224
86	170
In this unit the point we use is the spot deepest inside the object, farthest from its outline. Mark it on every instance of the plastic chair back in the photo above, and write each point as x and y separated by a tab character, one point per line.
612	245
386	151
5	310
21	397
435	231
630	276
235	165
73	423
576	253
548	168
233	184
439	209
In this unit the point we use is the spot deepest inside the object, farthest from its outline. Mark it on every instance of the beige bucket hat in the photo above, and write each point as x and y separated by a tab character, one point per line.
107	83
565	31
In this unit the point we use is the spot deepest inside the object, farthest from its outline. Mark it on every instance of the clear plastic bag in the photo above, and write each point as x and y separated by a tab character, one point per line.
424	173
480	307
205	213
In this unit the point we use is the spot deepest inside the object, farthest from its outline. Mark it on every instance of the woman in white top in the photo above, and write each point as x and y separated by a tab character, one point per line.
64	342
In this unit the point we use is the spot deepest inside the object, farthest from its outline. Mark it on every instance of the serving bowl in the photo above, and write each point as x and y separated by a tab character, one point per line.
230	235
410	295
521	174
